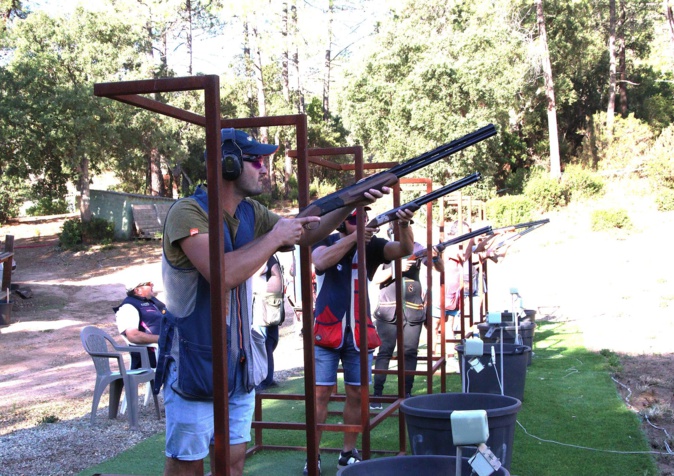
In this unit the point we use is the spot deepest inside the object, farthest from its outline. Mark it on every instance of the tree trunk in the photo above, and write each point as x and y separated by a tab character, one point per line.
670	21
296	59
188	6
287	170
326	74
248	61
157	188
555	163
258	70
610	110
622	62
85	194
285	80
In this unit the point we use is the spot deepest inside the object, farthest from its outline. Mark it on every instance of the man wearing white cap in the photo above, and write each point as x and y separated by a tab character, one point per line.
138	319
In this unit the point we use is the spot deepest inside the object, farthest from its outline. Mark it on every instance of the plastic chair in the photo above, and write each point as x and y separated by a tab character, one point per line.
148	385
101	347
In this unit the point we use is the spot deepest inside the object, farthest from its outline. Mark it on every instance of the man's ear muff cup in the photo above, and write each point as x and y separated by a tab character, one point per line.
232	164
342	227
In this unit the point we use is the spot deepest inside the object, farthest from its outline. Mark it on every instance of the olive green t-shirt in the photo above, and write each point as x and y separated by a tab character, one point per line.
187	218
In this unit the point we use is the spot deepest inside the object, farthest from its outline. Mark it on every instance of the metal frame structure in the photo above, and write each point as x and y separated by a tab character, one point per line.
459	200
433	363
130	92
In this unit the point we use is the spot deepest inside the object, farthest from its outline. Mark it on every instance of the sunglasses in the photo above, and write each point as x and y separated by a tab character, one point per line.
257	161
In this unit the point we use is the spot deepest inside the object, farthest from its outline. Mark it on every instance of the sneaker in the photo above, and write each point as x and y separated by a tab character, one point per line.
348	458
305	472
376	406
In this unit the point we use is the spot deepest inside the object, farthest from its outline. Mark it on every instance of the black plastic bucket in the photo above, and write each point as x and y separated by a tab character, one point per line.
530	314
6	312
429	426
515	358
526	330
407	465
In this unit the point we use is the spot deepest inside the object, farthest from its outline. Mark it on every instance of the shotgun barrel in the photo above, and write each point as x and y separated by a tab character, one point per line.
353	194
440	247
415	204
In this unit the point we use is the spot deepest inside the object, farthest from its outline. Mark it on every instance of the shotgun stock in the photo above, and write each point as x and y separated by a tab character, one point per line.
353	194
415	204
350	195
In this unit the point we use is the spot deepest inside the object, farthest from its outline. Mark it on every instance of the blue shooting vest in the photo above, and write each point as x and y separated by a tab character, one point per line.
195	360
150	312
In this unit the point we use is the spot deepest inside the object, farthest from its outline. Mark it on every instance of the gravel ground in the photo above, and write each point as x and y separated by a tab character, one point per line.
72	443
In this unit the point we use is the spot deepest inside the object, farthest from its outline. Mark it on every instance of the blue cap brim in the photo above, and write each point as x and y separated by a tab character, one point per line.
248	145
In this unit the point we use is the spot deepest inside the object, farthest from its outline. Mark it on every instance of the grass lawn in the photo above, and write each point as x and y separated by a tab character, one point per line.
570	410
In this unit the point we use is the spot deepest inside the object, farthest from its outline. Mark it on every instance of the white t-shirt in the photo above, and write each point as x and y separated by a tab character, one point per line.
127	318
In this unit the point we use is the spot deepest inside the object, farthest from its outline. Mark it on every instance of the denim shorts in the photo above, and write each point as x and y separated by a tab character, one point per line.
436	313
189	423
327	361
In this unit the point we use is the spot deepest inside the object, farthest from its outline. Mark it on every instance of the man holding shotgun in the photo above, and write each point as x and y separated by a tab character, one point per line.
252	235
337	324
413	315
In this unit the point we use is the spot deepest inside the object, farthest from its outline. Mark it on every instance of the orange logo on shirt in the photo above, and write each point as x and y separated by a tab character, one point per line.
194	231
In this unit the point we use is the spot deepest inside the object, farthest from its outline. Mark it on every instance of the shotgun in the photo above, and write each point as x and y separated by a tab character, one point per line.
440	247
528	228
353	194
414	205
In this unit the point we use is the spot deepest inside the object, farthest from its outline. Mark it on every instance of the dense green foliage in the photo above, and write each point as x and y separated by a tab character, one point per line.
582	183
98	230
427	72
75	233
71	234
48	206
510	210
13	191
660	167
546	192
607	219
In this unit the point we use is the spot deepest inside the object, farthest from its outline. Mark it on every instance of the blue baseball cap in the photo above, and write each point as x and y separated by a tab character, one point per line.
244	143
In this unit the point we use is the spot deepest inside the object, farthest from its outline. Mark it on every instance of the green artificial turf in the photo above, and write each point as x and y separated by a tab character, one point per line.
569	400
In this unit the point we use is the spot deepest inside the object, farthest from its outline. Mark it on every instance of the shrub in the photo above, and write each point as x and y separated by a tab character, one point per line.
665	200
510	210
75	233
47	419
610	218
98	230
48	206
582	183
321	189
627	151
660	164
547	192
265	199
71	234
12	194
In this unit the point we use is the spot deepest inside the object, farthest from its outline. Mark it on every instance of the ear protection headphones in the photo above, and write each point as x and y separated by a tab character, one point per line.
341	228
232	164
